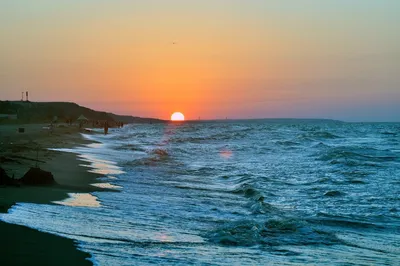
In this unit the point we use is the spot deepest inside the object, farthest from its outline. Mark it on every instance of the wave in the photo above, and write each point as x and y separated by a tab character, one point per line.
155	157
356	181
342	221
322	180
203	171
130	147
244	185
287	143
261	207
318	135
355	174
160	152
189	139
341	153
143	243
273	232
247	190
223	136
389	133
321	145
131	135
354	156
334	193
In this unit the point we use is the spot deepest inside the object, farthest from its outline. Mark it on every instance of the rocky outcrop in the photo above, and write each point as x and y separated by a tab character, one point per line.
36	177
4	178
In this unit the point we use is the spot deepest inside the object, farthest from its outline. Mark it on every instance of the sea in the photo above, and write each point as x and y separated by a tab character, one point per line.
235	192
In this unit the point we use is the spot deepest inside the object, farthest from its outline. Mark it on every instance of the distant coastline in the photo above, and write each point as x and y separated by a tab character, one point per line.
15	112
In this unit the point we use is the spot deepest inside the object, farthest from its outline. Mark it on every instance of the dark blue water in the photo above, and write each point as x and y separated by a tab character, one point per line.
261	192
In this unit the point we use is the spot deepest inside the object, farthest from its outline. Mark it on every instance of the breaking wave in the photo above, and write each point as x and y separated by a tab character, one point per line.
272	232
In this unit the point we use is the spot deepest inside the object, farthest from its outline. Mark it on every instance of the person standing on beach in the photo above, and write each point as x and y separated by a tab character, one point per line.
105	128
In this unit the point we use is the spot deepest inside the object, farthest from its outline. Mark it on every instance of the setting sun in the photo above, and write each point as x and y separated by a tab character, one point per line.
177	116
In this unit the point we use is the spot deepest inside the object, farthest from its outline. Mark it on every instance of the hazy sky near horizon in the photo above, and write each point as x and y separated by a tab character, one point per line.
335	59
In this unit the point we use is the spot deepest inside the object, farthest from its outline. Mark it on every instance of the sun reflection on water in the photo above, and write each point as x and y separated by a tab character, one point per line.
99	166
106	185
80	200
226	154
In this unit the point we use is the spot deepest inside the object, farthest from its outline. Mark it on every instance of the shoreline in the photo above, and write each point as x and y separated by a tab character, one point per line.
19	152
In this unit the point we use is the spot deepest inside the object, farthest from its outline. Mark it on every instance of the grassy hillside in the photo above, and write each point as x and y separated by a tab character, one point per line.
42	112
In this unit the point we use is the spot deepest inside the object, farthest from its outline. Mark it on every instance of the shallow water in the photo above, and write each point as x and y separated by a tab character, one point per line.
275	192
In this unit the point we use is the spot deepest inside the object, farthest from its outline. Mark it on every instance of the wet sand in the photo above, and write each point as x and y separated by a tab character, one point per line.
24	246
20	245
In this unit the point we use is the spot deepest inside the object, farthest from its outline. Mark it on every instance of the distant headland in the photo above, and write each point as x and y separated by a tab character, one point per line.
42	112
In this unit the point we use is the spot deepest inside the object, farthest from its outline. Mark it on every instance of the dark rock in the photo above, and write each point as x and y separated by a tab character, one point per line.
4	178
36	176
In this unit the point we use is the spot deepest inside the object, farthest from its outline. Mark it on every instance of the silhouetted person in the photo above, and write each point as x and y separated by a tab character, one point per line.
51	128
105	128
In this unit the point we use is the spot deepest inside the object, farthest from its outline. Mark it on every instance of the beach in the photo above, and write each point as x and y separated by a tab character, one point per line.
248	192
20	151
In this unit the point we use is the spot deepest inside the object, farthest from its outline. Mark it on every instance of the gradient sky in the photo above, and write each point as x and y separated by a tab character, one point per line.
336	59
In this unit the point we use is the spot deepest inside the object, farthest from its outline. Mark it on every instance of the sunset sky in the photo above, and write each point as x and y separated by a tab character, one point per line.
212	59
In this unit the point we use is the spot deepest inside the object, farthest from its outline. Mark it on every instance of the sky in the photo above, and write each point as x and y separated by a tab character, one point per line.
337	59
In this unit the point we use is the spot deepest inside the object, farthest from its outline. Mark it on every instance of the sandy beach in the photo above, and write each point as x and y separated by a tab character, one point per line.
19	152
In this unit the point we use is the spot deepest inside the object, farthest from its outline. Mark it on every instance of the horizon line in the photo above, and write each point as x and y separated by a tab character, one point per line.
213	119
